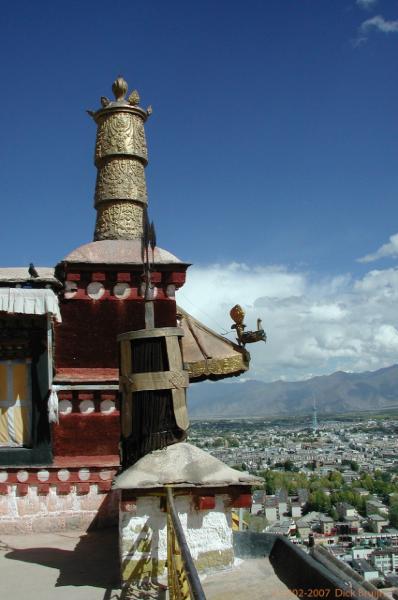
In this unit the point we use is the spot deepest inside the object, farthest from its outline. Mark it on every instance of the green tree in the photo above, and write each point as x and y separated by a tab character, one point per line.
288	465
394	515
217	442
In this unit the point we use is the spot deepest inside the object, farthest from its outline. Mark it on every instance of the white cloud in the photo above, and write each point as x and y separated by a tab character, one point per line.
380	24
367	4
313	326
389	249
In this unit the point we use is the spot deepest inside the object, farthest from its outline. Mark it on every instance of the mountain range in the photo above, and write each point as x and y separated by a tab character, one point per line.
340	392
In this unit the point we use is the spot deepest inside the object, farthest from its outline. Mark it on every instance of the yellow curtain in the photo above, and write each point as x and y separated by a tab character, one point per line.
15	403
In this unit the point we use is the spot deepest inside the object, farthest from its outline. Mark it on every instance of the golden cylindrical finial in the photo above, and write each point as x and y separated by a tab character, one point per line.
120	157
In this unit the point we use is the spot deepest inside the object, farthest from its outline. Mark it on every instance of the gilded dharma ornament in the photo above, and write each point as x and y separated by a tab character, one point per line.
121	179
121	133
119	221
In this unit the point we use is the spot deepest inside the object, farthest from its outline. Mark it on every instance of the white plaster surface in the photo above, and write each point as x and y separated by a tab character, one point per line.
205	531
52	511
148	522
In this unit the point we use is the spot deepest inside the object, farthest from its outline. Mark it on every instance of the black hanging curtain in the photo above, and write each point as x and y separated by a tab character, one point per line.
153	421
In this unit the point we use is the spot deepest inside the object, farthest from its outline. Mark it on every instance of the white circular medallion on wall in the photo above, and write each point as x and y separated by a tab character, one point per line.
86	407
43	475
84	474
122	291
65	407
3	476
105	475
63	475
107	407
95	290
70	289
22	476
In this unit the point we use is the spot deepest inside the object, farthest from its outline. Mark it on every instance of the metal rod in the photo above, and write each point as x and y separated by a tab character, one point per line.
192	575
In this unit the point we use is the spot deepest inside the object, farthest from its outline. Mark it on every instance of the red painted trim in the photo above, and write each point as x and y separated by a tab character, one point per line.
22	489
3	489
242	501
66	462
104	486
98	276
43	489
83	487
205	502
86	375
123	276
63	488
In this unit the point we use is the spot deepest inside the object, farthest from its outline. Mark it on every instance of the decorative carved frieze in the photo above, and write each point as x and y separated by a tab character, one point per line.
121	179
119	221
121	133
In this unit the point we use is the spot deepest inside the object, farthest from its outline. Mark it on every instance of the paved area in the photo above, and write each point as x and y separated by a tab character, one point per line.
84	566
252	579
54	566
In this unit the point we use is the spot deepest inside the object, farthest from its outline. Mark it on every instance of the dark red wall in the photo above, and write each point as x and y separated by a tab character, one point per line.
86	435
87	336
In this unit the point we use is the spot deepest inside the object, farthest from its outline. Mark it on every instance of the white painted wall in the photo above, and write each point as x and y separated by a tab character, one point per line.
205	531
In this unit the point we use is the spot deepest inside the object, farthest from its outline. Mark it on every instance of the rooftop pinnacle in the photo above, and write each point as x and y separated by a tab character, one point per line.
120	157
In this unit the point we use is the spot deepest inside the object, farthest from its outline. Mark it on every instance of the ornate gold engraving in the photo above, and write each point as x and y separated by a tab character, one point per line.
221	367
121	133
121	179
119	221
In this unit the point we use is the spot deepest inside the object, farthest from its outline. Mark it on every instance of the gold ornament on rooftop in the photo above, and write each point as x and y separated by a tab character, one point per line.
134	98
246	337
121	157
119	88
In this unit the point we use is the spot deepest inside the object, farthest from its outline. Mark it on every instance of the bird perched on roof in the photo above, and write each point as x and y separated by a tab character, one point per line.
32	271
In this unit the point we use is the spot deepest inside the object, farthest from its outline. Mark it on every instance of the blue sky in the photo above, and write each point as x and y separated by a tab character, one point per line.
273	154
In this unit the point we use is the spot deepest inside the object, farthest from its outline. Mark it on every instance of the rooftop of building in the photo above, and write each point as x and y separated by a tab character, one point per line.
118	252
21	275
181	464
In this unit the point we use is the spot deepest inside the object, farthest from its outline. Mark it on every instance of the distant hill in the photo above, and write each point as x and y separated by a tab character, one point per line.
337	393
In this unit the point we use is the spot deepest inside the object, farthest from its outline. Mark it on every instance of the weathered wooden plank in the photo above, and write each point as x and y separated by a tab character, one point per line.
151	333
162	380
127	397
125	357
173	353
180	408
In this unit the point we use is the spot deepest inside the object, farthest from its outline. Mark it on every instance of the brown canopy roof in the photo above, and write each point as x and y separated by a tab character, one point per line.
208	355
